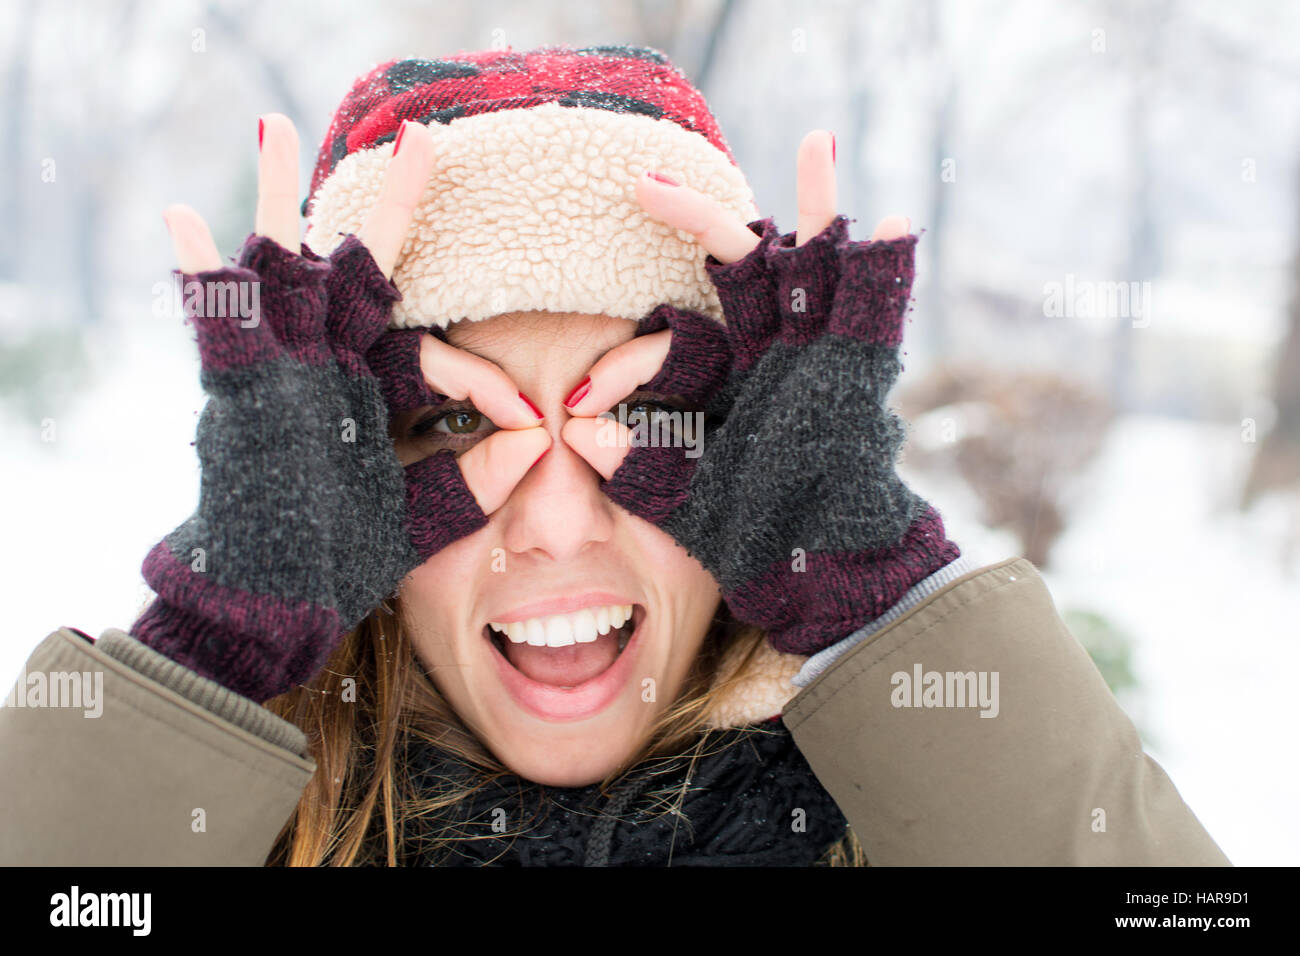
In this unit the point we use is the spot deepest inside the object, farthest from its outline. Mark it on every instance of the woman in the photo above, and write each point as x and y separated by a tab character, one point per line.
549	507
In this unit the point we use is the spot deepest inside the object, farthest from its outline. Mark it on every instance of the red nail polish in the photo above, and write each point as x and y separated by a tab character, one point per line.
661	178
832	149
539	458
536	411
578	393
260	126
398	144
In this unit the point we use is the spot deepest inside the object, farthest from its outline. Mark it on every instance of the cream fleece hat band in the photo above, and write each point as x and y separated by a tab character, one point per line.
531	202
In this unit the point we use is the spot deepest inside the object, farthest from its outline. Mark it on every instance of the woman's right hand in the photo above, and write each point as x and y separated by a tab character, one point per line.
789	493
307	519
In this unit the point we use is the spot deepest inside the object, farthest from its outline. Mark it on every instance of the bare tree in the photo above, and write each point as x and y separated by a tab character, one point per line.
14	139
1276	464
1018	439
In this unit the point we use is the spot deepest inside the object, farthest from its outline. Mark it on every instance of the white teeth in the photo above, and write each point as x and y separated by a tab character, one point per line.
536	632
584	627
561	630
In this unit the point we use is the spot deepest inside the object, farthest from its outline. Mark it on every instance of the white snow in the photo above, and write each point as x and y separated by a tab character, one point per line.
1155	546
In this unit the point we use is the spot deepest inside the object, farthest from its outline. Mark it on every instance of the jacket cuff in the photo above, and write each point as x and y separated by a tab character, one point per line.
822	660
208	694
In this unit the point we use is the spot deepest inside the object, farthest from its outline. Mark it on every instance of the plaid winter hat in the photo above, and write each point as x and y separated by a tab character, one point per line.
530	204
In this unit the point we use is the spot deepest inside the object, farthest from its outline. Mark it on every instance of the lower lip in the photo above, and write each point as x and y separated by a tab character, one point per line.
568	703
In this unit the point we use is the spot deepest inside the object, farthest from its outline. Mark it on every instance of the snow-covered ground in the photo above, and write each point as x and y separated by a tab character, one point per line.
1153	545
1215	617
81	511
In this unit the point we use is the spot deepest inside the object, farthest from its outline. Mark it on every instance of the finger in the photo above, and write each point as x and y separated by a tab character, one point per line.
495	465
191	240
720	232
386	225
892	227
816	185
603	442
618	372
462	375
277	181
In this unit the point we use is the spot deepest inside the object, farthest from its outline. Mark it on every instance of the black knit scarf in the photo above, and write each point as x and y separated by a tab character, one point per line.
750	800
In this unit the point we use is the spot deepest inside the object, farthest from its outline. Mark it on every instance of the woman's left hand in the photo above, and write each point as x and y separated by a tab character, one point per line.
793	502
728	239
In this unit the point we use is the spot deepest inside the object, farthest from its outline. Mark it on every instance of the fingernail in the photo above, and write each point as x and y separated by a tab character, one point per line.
533	408
261	124
539	458
661	178
398	144
832	149
578	393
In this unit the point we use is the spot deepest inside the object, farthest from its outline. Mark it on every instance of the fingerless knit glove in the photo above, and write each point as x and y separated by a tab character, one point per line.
306	521
794	505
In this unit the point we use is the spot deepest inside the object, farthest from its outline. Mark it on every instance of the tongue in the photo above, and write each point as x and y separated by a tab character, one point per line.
564	666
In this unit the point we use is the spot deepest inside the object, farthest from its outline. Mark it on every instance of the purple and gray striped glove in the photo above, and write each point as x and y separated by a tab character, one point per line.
306	519
793	503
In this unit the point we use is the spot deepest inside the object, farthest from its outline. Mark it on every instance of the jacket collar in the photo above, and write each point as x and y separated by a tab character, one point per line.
759	694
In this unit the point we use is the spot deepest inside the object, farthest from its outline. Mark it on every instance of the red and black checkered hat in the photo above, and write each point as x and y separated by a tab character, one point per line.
531	202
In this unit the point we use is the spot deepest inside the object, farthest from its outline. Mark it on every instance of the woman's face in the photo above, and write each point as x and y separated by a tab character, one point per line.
557	559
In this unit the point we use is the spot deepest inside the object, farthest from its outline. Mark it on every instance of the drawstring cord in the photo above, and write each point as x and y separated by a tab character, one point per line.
601	839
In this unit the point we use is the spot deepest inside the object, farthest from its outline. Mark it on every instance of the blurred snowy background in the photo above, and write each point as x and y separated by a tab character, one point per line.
1103	368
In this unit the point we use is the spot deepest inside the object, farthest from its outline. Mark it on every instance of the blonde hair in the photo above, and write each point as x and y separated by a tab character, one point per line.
360	805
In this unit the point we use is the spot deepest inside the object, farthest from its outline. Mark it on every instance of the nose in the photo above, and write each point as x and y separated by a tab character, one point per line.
557	510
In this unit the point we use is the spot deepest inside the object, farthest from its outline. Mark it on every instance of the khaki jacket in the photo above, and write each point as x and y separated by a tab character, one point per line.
1054	774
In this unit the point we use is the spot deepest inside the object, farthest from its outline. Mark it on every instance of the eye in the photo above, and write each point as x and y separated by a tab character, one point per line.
454	420
460	422
649	407
647	411
658	421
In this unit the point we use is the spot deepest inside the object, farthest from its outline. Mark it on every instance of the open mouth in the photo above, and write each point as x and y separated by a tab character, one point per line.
565	651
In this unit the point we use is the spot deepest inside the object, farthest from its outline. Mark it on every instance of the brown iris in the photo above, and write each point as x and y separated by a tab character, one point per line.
463	422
